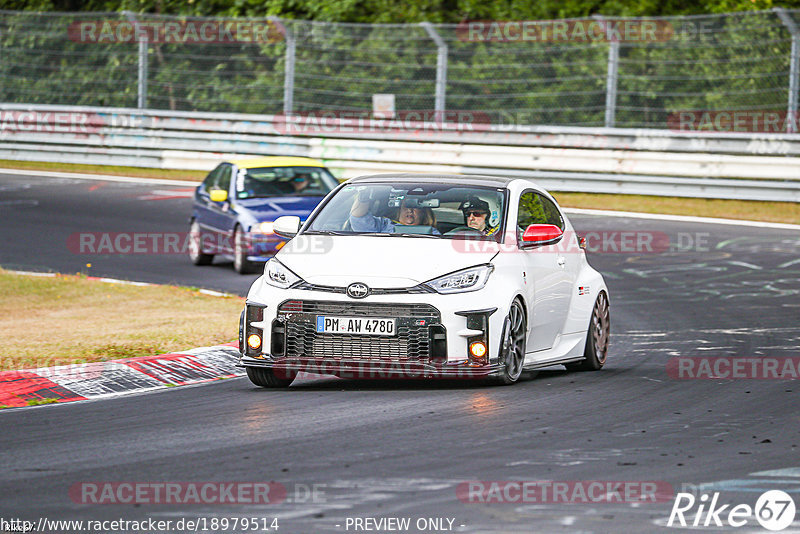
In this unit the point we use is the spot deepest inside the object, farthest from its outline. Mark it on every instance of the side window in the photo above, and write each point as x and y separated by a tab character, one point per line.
536	209
210	182
224	178
551	213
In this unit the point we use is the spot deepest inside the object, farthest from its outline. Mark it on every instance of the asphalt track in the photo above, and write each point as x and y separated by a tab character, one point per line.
385	449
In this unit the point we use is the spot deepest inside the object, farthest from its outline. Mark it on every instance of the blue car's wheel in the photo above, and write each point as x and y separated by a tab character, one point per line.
240	251
196	253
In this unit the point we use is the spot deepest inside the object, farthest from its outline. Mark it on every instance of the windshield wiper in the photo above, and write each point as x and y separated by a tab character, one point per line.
434	236
326	232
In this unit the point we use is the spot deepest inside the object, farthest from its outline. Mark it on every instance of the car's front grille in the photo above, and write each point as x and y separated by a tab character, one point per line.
411	343
415	290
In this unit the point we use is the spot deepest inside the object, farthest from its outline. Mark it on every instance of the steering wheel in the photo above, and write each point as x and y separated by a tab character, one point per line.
463	230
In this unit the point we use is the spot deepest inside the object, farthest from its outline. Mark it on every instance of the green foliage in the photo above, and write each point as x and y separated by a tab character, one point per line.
738	61
391	11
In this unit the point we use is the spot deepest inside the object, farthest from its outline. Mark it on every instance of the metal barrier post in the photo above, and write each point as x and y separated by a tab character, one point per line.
441	67
611	78
141	91
794	70
288	73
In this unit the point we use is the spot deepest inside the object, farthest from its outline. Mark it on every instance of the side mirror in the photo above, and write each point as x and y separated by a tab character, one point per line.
286	226
218	195
541	234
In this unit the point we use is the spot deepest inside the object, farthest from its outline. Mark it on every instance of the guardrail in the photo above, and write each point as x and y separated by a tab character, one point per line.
602	160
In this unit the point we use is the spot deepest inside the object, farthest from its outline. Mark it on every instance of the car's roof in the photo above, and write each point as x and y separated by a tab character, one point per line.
276	161
473	179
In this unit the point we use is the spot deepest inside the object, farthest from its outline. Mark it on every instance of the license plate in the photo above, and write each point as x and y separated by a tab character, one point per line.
364	326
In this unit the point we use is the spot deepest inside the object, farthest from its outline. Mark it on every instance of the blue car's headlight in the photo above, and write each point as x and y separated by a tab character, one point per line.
471	279
278	275
263	228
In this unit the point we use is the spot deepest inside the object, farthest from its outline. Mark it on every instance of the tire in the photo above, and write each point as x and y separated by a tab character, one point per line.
240	262
512	348
597	337
266	378
195	246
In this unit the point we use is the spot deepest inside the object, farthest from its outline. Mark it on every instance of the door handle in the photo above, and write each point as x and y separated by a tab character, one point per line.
561	261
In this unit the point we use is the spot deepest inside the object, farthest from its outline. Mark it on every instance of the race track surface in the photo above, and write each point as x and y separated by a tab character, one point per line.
378	449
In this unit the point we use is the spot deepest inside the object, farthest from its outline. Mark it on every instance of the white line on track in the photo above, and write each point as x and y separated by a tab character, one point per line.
682	218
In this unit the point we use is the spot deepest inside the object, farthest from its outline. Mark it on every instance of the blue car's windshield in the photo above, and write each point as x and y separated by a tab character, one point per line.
283	181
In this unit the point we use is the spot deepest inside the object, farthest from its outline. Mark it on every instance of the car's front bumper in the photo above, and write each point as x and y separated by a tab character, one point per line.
370	370
434	333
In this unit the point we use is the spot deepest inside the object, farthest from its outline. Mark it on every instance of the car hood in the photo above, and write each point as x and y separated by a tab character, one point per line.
379	261
270	208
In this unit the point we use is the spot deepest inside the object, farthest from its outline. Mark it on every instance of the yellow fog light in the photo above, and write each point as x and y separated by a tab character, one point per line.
254	341
478	349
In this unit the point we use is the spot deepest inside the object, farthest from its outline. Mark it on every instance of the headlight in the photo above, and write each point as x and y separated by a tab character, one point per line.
263	228
471	279
279	275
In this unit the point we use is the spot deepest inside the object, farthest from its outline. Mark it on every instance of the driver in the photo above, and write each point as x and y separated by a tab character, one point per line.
476	215
362	221
300	182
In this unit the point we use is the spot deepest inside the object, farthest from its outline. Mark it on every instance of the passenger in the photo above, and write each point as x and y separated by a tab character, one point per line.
476	215
362	221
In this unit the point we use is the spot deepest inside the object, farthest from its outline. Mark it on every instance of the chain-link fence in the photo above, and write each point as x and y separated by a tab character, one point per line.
613	72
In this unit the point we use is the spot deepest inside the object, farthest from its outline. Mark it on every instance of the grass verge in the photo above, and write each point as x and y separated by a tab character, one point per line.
751	210
114	170
782	212
70	319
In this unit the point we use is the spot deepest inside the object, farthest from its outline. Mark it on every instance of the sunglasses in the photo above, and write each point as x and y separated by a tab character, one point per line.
475	213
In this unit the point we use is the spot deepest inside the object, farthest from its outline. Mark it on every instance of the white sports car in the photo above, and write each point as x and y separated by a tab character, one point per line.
416	276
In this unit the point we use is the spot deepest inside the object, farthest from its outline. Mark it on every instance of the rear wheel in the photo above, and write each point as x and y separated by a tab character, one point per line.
512	348
240	250
266	378
596	338
196	246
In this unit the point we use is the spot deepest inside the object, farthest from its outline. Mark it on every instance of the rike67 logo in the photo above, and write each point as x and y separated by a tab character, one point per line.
774	510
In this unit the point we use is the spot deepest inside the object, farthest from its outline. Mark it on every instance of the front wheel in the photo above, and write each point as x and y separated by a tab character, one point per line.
196	253
240	249
596	338
266	378
512	348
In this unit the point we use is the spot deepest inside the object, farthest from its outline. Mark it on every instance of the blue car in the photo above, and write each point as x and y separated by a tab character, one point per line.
235	205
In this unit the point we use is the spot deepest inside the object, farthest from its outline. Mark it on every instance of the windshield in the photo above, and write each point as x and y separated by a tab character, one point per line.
414	209
284	181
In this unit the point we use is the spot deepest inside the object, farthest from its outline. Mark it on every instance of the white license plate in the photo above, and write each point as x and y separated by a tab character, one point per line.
365	326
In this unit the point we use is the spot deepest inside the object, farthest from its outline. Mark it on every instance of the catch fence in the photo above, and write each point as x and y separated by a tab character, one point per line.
684	73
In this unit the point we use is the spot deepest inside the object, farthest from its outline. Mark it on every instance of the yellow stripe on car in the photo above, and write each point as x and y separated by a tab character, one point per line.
276	161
